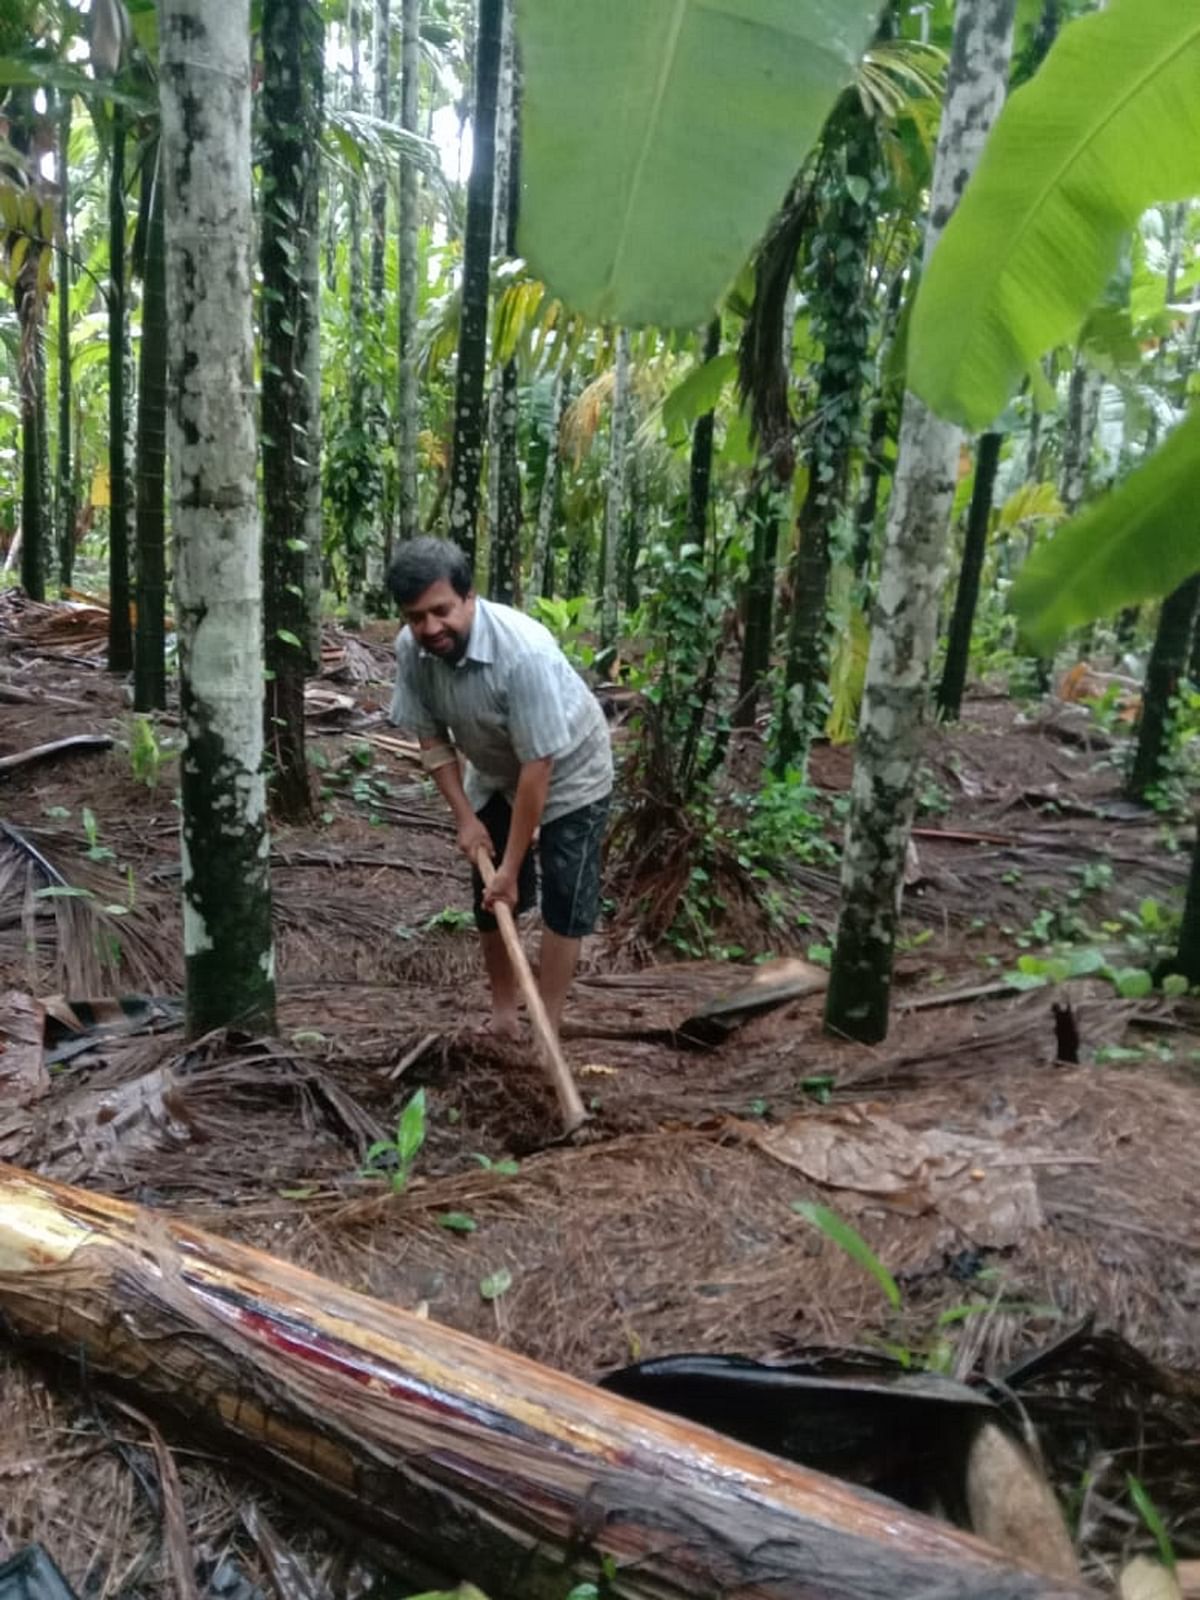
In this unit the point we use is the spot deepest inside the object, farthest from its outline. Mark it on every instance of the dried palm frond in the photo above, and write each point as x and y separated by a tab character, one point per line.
581	419
75	936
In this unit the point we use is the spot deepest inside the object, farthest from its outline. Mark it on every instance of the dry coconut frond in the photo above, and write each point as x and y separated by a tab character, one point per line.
76	936
581	419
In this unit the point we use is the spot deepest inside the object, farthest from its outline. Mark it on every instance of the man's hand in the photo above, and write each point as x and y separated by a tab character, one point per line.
474	837
502	890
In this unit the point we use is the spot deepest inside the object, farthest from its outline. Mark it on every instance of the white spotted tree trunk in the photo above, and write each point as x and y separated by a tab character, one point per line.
548	501
205	93
408	511
911	577
614	513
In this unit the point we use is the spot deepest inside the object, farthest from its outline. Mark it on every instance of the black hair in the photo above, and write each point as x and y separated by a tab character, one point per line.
418	563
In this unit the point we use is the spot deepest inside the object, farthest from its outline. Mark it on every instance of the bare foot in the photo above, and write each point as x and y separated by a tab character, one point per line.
505	1025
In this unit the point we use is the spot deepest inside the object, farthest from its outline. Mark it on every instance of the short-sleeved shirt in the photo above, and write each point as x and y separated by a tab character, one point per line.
513	697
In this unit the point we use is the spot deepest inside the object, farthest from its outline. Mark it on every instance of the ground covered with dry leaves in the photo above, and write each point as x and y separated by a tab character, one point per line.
1011	1196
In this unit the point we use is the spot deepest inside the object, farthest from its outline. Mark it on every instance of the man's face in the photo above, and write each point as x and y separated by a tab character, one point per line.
441	620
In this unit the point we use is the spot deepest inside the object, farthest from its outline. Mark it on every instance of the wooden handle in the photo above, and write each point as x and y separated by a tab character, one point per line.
569	1103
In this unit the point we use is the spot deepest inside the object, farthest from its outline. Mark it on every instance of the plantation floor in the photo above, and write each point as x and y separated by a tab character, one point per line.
1009	1196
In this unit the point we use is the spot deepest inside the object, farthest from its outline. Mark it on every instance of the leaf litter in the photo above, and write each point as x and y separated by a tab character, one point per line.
675	1228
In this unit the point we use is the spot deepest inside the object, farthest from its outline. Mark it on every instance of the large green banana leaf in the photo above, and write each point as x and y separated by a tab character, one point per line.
1139	542
1109	126
659	135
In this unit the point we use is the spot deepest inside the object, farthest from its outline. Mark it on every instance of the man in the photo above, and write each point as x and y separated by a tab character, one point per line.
481	679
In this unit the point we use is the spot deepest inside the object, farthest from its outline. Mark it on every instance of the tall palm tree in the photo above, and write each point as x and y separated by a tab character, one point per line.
205	99
910	581
149	663
407	300
293	42
469	411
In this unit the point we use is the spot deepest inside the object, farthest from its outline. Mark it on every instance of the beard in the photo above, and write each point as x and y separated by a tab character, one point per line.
450	646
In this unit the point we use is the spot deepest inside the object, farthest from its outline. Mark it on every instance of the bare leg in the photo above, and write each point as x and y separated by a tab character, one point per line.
503	985
557	968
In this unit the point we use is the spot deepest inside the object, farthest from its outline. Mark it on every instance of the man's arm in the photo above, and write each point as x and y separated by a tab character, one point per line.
440	760
533	785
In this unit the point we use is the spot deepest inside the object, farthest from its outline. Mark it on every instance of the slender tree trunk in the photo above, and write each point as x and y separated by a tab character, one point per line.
29	299
64	481
577	553
700	474
379	190
1167	665
332	214
293	46
618	463
357	530
767	513
120	633
548	502
911	577
1033	448
35	503
635	529
204	65
149	660
509	500
839	306
1187	956
380	554
508	508
469	417
878	433
1082	404
408	509
958	650
868	503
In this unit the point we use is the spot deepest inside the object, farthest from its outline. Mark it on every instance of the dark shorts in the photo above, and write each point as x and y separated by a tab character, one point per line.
568	851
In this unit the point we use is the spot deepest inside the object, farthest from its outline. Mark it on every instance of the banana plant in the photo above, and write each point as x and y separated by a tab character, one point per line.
1107	128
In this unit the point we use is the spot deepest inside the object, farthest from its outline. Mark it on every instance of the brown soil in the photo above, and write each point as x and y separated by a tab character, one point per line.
669	1228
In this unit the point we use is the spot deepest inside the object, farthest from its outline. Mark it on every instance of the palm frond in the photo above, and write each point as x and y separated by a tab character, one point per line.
581	419
73	933
896	74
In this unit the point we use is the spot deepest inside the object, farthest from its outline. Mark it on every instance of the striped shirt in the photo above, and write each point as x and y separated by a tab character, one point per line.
513	697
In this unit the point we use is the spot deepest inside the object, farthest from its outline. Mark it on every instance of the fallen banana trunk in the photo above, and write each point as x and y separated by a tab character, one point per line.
465	1457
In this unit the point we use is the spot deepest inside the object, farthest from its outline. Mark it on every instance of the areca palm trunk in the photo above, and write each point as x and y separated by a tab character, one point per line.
64	480
614	508
356	531
841	321
1167	665
469	411
506	510
35	500
882	412
911	576
149	657
548	499
408	244
1083	400
966	598
120	632
205	101
27	286
766	513
382	63
381	551
293	42
700	467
